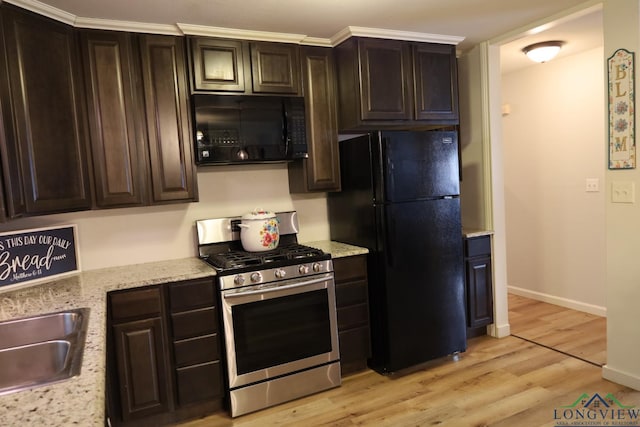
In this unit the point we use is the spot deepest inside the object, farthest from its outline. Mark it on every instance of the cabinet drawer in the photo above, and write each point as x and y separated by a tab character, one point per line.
196	350
354	344
351	293
476	246
194	323
353	316
192	294
137	303
350	268
199	382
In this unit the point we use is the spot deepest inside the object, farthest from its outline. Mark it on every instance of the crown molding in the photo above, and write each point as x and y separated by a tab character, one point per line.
393	34
134	27
316	41
202	30
233	33
46	10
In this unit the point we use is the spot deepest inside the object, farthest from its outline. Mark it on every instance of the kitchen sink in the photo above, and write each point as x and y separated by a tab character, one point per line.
40	350
53	326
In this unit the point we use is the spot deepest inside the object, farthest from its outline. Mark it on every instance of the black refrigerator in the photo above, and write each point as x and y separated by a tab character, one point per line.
400	199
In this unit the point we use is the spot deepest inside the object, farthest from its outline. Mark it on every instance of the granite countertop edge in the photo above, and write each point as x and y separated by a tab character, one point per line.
81	400
337	249
470	233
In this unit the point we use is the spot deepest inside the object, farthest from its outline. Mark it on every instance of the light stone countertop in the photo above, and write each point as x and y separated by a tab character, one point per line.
337	249
81	400
469	233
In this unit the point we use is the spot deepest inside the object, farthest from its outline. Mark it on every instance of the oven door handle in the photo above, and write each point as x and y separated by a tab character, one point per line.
275	288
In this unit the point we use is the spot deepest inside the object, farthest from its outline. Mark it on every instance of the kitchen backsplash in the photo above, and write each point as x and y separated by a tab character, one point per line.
118	237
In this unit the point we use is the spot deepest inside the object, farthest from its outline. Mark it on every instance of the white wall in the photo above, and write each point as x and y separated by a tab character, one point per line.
553	141
621	29
473	191
116	237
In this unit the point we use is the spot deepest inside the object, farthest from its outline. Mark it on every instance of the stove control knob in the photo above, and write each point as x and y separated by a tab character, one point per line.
280	273
303	269
317	267
239	280
256	277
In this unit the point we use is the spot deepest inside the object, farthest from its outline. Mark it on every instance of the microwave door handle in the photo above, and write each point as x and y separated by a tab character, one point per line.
279	288
285	131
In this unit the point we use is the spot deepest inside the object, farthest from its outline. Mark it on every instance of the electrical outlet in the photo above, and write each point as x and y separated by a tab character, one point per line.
593	185
623	192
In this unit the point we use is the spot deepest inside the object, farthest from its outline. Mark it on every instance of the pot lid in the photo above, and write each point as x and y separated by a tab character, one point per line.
259	214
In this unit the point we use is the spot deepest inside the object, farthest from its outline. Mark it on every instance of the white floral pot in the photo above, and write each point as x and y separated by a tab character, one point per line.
259	231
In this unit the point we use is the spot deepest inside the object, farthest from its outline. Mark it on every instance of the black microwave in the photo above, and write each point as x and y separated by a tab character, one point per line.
231	129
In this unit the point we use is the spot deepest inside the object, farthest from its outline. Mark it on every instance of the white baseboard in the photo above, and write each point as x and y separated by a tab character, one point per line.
619	377
499	331
563	302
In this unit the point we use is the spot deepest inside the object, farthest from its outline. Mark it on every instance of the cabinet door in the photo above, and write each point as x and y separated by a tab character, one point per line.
385	67
275	68
140	352
199	382
217	65
436	82
321	171
168	123
117	143
6	125
47	161
479	292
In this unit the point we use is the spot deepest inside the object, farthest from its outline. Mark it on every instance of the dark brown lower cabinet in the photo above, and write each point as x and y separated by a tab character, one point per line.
142	368
163	354
352	304
479	284
196	342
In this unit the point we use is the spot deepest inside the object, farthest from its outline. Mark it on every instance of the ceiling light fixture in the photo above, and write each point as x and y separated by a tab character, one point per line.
544	51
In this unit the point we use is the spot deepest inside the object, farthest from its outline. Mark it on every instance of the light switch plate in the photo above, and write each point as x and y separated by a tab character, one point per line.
623	192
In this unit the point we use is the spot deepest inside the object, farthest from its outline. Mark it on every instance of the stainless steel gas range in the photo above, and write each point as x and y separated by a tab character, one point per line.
278	313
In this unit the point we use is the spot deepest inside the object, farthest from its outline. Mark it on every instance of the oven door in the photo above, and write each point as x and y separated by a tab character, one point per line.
279	328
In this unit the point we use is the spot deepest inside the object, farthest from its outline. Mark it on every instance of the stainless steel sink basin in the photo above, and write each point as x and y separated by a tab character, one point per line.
41	350
53	326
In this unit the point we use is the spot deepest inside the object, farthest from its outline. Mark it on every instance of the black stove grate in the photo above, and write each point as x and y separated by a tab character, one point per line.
234	258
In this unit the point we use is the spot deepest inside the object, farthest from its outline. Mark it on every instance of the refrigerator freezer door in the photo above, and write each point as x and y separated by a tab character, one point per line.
417	165
420	292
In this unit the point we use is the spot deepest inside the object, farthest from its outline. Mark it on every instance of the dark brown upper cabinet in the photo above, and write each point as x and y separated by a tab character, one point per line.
218	65
436	82
275	68
138	117
384	84
321	170
45	163
173	172
115	119
243	67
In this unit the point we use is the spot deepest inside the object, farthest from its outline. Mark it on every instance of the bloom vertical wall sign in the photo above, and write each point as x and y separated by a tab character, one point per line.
622	144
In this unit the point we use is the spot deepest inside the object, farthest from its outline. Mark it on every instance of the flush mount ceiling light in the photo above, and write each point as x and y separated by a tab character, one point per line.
544	51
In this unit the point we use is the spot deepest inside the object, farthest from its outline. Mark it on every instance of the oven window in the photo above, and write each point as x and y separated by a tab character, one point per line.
280	330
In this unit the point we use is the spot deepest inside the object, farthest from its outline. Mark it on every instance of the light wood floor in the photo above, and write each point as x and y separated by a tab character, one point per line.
497	382
577	333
